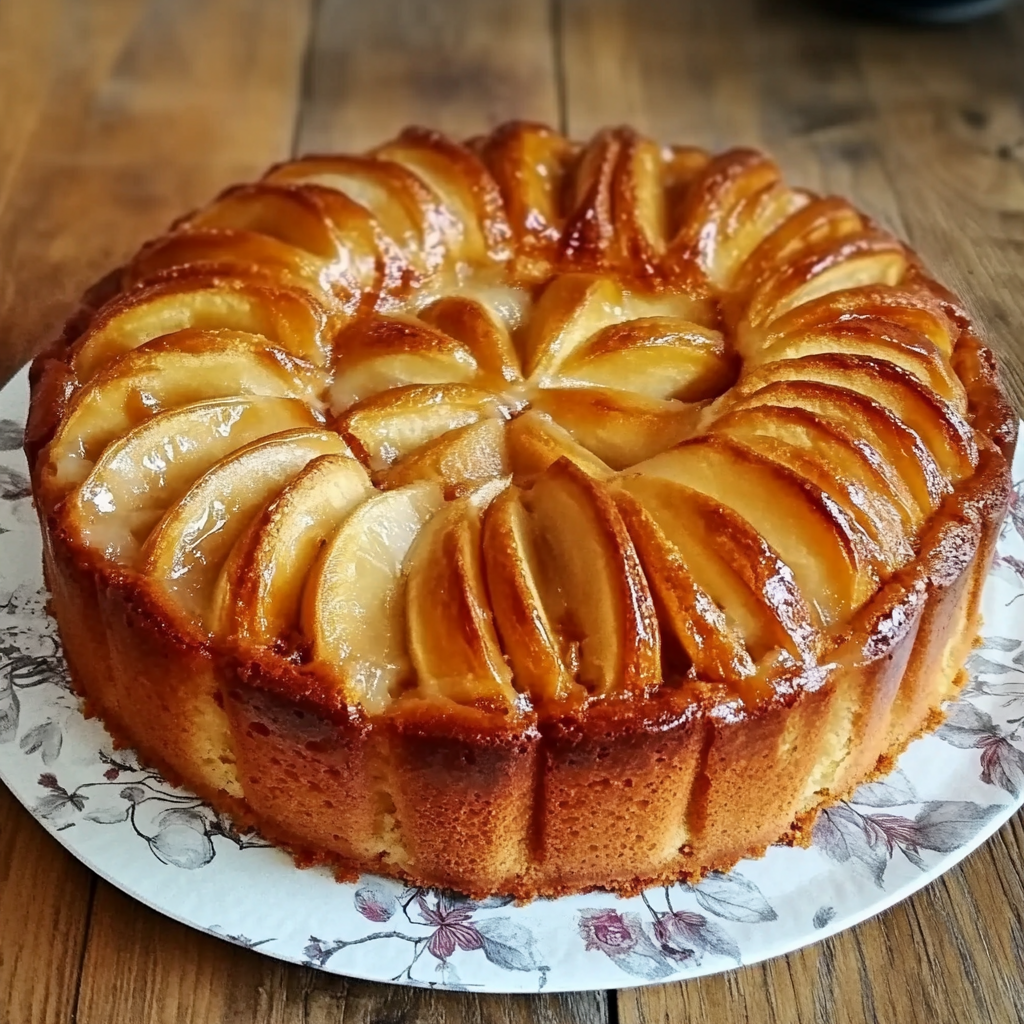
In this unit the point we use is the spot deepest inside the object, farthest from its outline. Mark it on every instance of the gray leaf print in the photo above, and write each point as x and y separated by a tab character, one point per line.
944	825
13	485
509	944
824	916
733	898
892	791
1002	764
11	435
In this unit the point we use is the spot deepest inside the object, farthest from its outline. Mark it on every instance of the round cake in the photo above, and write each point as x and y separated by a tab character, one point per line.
520	516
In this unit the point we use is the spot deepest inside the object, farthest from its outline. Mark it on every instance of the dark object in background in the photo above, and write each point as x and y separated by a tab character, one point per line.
932	11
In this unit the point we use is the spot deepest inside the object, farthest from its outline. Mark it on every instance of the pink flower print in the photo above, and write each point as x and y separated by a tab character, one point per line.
453	927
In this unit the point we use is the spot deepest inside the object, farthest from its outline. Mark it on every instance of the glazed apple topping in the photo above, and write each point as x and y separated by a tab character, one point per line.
517	423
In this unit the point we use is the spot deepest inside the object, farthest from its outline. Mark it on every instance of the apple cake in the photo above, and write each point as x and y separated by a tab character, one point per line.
520	515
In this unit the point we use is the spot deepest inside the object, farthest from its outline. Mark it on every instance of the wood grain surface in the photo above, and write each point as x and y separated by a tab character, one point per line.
118	115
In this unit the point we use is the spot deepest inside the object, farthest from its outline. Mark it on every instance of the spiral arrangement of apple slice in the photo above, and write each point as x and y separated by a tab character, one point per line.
516	422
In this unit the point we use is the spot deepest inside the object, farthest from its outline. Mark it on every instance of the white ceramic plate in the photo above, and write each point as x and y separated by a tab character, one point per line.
167	848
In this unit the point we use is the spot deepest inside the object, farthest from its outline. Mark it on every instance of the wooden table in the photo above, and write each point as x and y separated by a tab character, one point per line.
116	116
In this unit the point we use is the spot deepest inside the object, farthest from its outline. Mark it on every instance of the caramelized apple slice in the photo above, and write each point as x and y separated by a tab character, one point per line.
176	370
914	309
278	211
821	544
458	460
571	309
286	317
528	636
529	162
452	641
879	339
908	466
870	258
535	441
619	427
732	203
353	604
886	547
259	592
140	475
865	479
321	221
408	212
733	564
480	328
574	307
821	222
476	226
377	353
658	357
715	649
186	550
388	426
945	433
223	251
593	589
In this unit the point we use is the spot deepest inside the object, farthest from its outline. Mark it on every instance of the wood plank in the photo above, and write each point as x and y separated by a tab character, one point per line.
461	66
926	132
155	971
44	908
143	111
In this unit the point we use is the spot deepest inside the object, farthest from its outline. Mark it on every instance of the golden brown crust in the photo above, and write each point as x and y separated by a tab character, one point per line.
669	774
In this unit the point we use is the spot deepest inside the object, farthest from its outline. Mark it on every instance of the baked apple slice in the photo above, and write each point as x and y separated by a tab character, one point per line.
377	353
888	548
714	647
827	551
657	357
188	547
259	593
458	460
353	604
388	426
869	258
482	327
286	317
591	586
942	429
476	226
731	562
571	309
730	206
528	636
914	309
884	506
143	473
529	162
822	222
619	427
878	339
283	212
574	307
535	441
179	369
908	466
227	252
452	641
408	212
